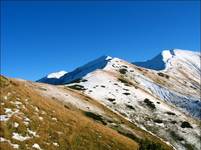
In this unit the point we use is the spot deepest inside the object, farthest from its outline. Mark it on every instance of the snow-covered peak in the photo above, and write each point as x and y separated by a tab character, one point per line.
53	78
62	77
163	60
56	75
167	55
78	73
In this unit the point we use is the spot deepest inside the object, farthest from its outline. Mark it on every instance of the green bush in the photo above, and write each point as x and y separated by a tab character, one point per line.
158	121
123	71
130	107
96	117
170	113
77	87
149	145
126	83
127	93
163	75
111	99
149	103
186	124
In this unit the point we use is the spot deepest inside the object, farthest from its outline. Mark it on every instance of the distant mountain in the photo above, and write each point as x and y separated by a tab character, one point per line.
53	78
78	73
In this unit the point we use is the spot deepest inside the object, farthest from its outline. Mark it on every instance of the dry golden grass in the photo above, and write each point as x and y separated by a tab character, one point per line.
72	130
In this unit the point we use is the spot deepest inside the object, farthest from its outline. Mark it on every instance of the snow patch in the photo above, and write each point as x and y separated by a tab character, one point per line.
56	75
55	144
36	146
15	146
16	124
19	137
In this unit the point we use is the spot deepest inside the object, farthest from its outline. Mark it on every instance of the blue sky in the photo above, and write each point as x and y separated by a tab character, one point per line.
42	37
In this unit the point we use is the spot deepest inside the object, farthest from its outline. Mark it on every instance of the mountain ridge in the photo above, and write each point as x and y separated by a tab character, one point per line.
171	84
164	103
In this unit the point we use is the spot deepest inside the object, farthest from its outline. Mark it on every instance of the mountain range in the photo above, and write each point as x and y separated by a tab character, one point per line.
108	103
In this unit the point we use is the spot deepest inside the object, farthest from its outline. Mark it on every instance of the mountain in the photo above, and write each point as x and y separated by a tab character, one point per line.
159	62
78	73
159	95
43	116
53	78
144	105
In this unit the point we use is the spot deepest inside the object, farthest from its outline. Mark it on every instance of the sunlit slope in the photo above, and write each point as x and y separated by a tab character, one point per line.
40	116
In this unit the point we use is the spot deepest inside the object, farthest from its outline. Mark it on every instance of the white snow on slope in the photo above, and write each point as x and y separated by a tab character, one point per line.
19	137
166	57
187	104
15	146
36	146
57	75
53	78
169	95
129	102
78	73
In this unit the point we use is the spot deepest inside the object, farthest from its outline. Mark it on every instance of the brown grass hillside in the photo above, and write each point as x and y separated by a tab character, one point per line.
32	121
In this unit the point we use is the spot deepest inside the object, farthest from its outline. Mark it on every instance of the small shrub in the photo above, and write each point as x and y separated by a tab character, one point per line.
149	145
130	107
126	83
75	81
123	71
103	86
175	136
163	75
111	99
170	113
186	124
96	117
127	134
193	87
160	74
66	107
158	121
84	80
126	89
77	87
149	103
127	93
124	66
189	146
173	122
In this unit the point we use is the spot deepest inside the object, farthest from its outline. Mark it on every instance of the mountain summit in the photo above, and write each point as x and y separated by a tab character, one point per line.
164	59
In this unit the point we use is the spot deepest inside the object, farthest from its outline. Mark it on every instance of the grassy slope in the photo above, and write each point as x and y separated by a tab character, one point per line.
71	129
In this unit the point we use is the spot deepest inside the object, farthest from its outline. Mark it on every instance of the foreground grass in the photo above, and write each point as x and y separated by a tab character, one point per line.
55	126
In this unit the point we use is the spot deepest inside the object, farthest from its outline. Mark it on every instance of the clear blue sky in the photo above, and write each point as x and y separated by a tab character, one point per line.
42	37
